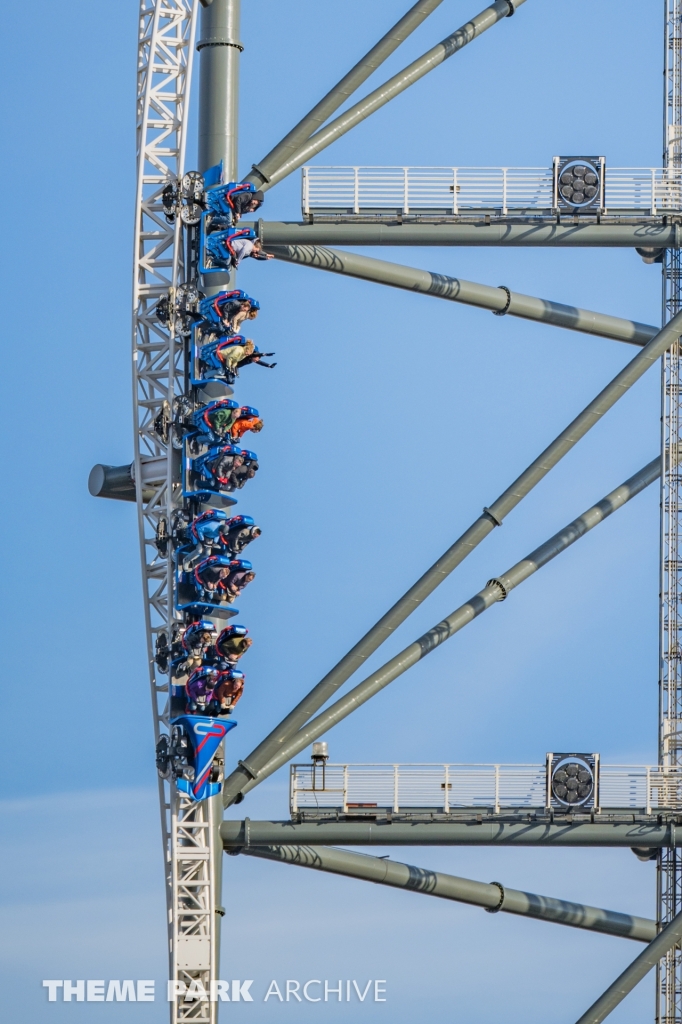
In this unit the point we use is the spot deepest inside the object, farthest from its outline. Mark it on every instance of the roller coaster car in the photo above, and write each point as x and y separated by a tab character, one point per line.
212	574
206	365
211	423
212	309
187	755
219	198
214	532
210	477
216	252
197	600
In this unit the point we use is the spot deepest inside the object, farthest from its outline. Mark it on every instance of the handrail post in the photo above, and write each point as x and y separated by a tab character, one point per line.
446	801
293	792
306	192
497	789
345	789
455	207
653	191
648	789
504	191
356	190
406	191
396	802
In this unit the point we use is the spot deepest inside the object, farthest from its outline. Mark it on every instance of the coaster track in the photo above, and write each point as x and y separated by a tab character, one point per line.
167	30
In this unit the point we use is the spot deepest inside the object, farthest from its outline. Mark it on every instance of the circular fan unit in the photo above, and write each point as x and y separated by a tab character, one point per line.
572	782
579	184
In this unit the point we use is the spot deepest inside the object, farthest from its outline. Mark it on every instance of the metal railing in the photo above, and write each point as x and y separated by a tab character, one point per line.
453	190
448	787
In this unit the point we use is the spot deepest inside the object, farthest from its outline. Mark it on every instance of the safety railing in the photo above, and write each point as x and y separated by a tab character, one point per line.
449	787
453	190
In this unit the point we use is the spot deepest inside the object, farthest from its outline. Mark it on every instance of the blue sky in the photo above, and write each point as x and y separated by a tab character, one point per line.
391	419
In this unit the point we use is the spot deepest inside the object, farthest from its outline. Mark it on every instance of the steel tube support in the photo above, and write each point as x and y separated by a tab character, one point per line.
242	835
253	766
498	300
394	86
495	590
365	67
632	975
493	897
219	47
560	236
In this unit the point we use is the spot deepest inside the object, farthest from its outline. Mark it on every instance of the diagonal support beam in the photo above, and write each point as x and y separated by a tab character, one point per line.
495	590
286	745
492	897
440	570
316	117
632	975
500	300
393	87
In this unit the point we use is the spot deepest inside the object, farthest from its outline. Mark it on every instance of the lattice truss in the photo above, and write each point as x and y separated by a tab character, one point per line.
669	894
166	45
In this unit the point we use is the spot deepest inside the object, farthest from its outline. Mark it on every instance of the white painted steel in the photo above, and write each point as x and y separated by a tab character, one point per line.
452	190
449	787
165	51
669	871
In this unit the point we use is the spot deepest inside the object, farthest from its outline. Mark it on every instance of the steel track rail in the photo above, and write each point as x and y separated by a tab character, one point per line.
166	42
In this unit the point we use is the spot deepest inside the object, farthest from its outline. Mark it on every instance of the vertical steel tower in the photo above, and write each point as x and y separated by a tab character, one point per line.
669	889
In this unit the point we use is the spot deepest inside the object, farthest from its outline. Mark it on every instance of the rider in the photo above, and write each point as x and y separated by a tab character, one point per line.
242	248
240	575
233	643
244	202
227	691
246	418
210	576
224	467
241	530
199	688
244	468
197	639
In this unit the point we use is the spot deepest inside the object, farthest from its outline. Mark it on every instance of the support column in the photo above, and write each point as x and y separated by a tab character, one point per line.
219	48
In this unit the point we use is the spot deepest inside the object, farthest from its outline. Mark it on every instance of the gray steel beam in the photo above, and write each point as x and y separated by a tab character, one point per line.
252	767
500	300
365	67
219	48
560	236
393	87
116	482
495	590
241	835
493	897
632	975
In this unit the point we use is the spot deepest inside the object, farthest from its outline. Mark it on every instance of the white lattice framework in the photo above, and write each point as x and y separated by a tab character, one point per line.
166	47
669	889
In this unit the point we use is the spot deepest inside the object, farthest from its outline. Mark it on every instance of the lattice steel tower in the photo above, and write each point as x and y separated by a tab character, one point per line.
669	889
